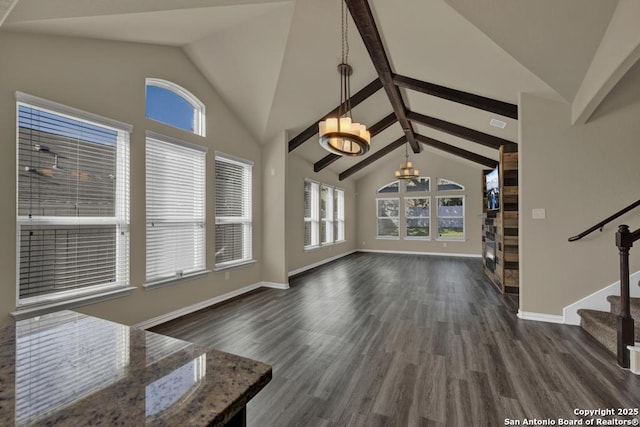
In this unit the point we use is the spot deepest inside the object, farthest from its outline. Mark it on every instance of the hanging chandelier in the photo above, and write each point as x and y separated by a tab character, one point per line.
406	169
341	135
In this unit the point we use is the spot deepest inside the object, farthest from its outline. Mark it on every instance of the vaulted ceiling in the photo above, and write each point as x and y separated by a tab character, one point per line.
274	62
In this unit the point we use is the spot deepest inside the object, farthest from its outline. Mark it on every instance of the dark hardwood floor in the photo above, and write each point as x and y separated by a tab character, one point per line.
402	340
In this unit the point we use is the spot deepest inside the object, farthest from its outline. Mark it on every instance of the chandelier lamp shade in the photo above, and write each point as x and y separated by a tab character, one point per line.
406	169
341	135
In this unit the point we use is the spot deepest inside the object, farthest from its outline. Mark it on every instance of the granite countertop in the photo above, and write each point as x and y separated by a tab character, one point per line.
69	369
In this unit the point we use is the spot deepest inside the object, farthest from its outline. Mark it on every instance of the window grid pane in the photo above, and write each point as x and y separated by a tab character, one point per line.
175	210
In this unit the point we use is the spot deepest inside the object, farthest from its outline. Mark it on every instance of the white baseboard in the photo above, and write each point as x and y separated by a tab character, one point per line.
598	299
274	285
319	263
195	307
540	317
421	253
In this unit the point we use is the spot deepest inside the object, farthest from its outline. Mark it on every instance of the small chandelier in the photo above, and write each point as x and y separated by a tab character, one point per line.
341	135
406	169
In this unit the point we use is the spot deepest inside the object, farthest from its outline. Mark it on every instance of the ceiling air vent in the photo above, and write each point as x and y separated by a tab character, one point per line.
498	123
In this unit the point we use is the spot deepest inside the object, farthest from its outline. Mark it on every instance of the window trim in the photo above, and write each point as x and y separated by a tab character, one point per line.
387	185
199	109
339	216
246	221
314	219
406	186
316	211
378	236
462	187
46	303
429	226
464	222
164	281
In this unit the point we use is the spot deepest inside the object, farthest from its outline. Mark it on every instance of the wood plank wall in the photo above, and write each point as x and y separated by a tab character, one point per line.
502	225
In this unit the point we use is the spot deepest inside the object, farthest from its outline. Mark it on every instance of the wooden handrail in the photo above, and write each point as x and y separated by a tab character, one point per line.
604	222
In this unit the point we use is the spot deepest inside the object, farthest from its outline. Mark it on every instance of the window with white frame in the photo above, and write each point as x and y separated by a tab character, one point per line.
323	214
392	187
416	216
173	105
448	185
175	175
73	202
451	217
338	205
233	211
311	212
388	217
326	214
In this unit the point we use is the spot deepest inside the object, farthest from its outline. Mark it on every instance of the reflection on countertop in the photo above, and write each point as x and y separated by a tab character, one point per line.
71	369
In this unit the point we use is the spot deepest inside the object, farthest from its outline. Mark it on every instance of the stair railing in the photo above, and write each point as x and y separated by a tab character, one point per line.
604	222
624	242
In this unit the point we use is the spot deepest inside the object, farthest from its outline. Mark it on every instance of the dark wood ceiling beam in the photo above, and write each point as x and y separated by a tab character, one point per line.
362	16
356	99
459	131
457	151
476	101
373	157
374	130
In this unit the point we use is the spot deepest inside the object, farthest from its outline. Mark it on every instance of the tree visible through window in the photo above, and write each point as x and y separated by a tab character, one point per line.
388	217
451	217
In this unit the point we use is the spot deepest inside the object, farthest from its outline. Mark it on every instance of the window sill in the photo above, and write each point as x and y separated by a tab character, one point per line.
233	265
34	310
173	280
387	237
444	239
418	238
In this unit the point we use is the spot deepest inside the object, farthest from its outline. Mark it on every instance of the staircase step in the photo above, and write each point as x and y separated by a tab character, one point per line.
614	300
602	325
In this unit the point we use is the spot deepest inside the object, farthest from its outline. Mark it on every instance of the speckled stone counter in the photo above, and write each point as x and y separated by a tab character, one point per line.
68	369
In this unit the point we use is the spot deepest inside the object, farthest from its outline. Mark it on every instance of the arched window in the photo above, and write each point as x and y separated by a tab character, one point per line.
392	187
447	185
173	105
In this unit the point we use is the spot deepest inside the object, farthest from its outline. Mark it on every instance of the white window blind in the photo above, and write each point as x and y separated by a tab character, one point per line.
233	211
311	212
73	202
326	214
175	174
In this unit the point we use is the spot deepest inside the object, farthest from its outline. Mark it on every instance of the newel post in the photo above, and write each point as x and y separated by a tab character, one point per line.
624	242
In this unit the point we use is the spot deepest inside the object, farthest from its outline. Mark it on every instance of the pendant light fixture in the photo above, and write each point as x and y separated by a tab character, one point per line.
341	135
406	169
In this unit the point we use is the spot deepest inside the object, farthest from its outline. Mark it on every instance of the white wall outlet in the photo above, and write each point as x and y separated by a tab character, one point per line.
227	275
539	213
364	243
